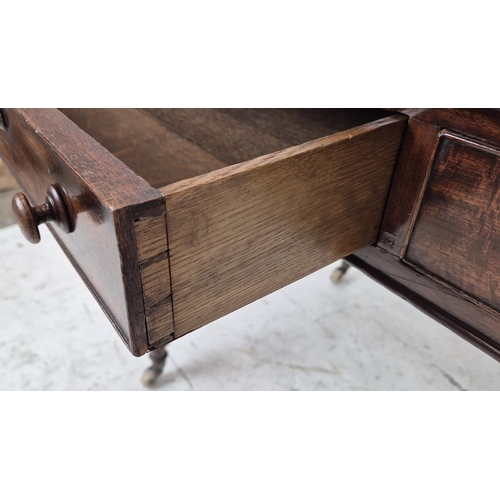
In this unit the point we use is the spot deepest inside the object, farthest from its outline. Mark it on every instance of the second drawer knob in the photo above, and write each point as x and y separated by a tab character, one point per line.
55	209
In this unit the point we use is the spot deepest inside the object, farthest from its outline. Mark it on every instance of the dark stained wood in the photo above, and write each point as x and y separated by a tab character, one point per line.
482	124
242	232
479	326
239	135
120	242
144	144
43	147
164	146
57	208
296	199
220	135
27	217
456	237
296	126
412	171
449	269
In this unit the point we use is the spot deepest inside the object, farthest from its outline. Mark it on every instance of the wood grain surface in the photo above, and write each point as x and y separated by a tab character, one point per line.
453	309
244	231
157	154
482	124
410	178
164	146
231	234
44	147
456	236
151	237
238	135
296	126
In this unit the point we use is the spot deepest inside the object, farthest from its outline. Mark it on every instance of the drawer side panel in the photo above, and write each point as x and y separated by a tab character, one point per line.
245	231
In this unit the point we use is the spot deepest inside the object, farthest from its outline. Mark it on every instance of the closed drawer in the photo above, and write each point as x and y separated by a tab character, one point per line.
183	216
456	237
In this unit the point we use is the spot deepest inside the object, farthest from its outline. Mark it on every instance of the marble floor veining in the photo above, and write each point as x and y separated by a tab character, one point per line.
311	335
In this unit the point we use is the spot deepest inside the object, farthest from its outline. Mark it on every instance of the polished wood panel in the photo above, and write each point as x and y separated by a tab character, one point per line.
43	147
411	175
57	209
453	309
247	230
482	124
456	237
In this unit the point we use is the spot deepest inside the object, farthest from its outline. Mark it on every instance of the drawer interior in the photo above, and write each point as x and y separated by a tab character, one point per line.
254	199
246	202
165	146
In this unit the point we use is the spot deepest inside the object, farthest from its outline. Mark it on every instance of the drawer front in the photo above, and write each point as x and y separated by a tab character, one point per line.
456	237
113	209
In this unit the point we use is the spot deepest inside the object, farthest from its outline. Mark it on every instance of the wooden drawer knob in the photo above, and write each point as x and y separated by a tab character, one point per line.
56	208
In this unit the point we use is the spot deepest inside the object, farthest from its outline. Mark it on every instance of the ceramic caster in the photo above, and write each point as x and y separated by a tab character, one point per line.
338	273
150	376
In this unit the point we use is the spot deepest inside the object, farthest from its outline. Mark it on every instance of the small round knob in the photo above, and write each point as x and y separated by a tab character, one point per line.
55	209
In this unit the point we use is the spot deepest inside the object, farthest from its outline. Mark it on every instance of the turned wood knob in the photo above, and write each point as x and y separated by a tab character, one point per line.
56	209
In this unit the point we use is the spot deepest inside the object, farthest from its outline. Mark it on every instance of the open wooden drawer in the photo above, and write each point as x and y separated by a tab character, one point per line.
178	217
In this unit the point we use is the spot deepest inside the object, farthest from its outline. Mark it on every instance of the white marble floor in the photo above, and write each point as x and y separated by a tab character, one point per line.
312	335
